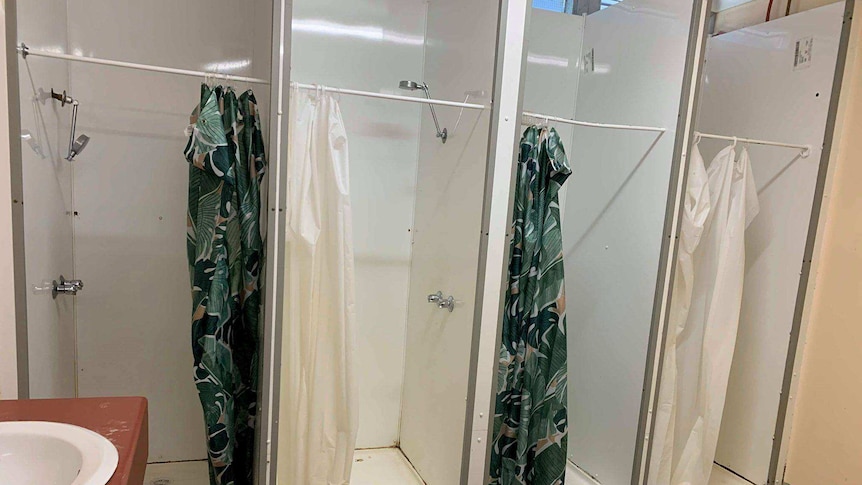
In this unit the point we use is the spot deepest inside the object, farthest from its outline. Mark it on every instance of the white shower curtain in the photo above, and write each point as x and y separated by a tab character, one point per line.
318	395
704	317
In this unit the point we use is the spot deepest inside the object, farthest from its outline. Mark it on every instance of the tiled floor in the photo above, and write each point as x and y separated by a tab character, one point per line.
383	466
720	476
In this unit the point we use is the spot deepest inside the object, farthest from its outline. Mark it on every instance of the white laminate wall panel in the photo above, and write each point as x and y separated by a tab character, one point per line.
554	58
47	201
372	45
553	67
131	190
752	90
615	212
459	57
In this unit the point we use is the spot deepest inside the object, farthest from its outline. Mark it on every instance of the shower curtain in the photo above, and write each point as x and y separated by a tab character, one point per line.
530	417
319	403
704	322
696	206
225	253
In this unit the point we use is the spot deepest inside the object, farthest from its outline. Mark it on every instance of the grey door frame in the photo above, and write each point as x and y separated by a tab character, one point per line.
19	276
268	429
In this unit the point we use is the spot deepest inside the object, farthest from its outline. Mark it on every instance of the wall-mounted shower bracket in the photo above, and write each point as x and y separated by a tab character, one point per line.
63	98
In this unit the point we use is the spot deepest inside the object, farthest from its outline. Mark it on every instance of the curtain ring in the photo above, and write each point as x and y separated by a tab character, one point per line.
735	140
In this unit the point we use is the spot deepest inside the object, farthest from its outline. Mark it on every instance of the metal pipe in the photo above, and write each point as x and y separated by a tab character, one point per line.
71	151
442	134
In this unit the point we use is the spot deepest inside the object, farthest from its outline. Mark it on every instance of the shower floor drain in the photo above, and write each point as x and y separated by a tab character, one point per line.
161	481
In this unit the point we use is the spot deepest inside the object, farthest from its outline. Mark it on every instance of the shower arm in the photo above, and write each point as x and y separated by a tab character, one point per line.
441	134
65	99
72	153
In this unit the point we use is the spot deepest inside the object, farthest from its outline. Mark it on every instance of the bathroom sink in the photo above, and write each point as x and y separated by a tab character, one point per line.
43	453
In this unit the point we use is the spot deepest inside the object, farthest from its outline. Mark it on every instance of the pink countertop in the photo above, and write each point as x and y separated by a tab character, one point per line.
123	420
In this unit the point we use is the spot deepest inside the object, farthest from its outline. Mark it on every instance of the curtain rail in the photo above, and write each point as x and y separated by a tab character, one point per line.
805	149
594	125
393	97
26	51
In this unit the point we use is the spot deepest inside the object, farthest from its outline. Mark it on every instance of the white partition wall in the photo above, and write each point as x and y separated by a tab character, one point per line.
459	59
614	218
752	89
47	200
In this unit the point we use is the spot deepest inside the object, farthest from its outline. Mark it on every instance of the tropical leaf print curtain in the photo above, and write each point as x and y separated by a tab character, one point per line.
530	420
225	253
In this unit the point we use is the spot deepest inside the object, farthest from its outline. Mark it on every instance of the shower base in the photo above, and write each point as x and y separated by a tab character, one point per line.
383	466
177	473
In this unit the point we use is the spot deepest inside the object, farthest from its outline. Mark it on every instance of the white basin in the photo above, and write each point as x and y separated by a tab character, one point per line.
42	453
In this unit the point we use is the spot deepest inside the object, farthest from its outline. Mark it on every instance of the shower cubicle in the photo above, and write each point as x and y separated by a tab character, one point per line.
417	178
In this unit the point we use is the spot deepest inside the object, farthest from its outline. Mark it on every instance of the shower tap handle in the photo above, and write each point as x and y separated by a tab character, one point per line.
447	303
442	303
70	287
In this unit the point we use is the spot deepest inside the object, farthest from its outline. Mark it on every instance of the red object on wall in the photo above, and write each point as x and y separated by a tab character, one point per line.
123	420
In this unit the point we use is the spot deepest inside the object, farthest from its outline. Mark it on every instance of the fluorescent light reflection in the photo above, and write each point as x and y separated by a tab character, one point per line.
54	49
365	32
547	60
228	66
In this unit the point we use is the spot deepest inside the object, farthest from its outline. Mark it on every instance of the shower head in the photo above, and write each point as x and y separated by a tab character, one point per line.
412	85
78	146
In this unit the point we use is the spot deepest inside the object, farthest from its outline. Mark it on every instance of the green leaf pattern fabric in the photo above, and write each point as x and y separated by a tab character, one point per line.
530	419
225	249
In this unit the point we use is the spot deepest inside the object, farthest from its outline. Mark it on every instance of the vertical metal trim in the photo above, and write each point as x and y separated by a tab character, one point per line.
19	278
270	382
781	425
686	120
506	108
